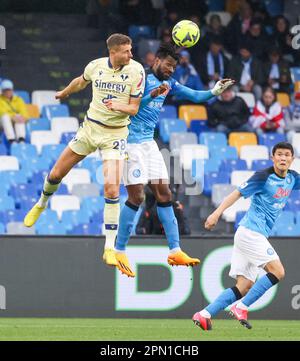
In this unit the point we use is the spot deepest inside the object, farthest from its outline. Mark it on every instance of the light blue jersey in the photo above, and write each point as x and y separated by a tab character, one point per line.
269	194
143	124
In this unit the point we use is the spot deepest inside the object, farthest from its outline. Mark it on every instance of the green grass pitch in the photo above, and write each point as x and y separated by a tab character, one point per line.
68	329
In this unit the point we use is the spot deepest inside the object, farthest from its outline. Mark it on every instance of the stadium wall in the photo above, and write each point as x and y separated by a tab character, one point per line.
65	277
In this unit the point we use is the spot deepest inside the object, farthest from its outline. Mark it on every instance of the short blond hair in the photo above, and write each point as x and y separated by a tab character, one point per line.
117	40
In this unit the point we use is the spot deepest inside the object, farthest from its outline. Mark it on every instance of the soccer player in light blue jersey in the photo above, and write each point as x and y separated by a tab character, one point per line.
145	163
269	189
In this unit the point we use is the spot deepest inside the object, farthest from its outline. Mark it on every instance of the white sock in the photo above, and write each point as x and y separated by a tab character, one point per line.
174	250
205	313
110	237
242	306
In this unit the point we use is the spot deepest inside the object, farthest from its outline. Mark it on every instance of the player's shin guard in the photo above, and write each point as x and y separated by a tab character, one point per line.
225	299
259	288
111	220
126	223
167	217
48	189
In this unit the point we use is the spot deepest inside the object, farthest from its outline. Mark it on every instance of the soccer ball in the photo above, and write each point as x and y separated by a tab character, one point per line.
186	33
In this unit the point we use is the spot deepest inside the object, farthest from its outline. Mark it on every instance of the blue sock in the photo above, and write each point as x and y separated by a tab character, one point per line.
125	226
167	217
259	288
225	299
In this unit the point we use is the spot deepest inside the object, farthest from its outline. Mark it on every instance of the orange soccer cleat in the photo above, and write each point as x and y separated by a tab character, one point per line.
124	265
180	258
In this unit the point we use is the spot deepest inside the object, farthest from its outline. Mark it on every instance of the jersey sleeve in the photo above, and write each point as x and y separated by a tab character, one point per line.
297	181
87	74
184	93
138	84
254	184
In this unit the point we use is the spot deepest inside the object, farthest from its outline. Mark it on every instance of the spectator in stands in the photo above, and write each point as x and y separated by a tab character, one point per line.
166	36
149	222
238	26
138	12
229	113
215	29
13	113
257	39
292	116
267	114
247	71
149	60
283	39
186	73
277	71
213	64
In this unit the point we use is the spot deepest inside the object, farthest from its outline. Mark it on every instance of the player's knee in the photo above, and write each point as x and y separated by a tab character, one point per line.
136	199
111	192
279	273
163	197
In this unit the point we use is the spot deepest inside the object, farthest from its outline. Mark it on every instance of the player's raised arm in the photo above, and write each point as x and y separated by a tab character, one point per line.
131	108
213	219
198	96
75	86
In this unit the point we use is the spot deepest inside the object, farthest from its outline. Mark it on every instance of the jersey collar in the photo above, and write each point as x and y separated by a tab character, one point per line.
111	67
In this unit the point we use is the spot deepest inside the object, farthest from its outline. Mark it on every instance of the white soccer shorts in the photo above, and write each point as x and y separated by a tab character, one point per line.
251	251
145	162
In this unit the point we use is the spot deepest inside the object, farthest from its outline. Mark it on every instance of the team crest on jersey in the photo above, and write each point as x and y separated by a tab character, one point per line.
124	77
244	185
109	97
270	251
136	173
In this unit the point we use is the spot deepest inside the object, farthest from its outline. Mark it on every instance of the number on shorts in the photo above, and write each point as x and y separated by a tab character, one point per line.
119	144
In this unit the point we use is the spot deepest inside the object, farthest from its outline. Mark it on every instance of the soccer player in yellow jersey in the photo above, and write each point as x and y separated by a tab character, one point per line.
115	78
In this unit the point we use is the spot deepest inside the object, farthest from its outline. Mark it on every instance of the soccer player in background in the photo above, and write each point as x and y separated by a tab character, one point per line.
115	77
145	163
269	189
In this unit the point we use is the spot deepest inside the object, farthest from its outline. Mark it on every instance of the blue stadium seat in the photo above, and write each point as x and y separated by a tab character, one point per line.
292	230
23	150
168	111
261	164
238	217
13	215
72	219
52	151
137	32
50	229
212	178
216	5
295	73
3	149
97	175
21	191
4	191
92	205
9	178
295	195
293	205
6	203
24	95
298	218
97	217
28	203
270	139
47	217
36	124
170	125
274	7
55	110
2	228
213	140
227	152
35	165
62	190
204	166
199	126
66	137
87	229
92	164
38	178
230	165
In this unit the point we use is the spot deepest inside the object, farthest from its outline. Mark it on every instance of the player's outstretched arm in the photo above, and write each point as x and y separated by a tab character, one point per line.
75	86
199	96
213	219
131	109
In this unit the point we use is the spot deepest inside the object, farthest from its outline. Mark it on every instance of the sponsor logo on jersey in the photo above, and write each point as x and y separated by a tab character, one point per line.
281	193
114	87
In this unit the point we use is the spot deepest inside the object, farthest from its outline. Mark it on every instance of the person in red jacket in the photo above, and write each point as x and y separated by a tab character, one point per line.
267	114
